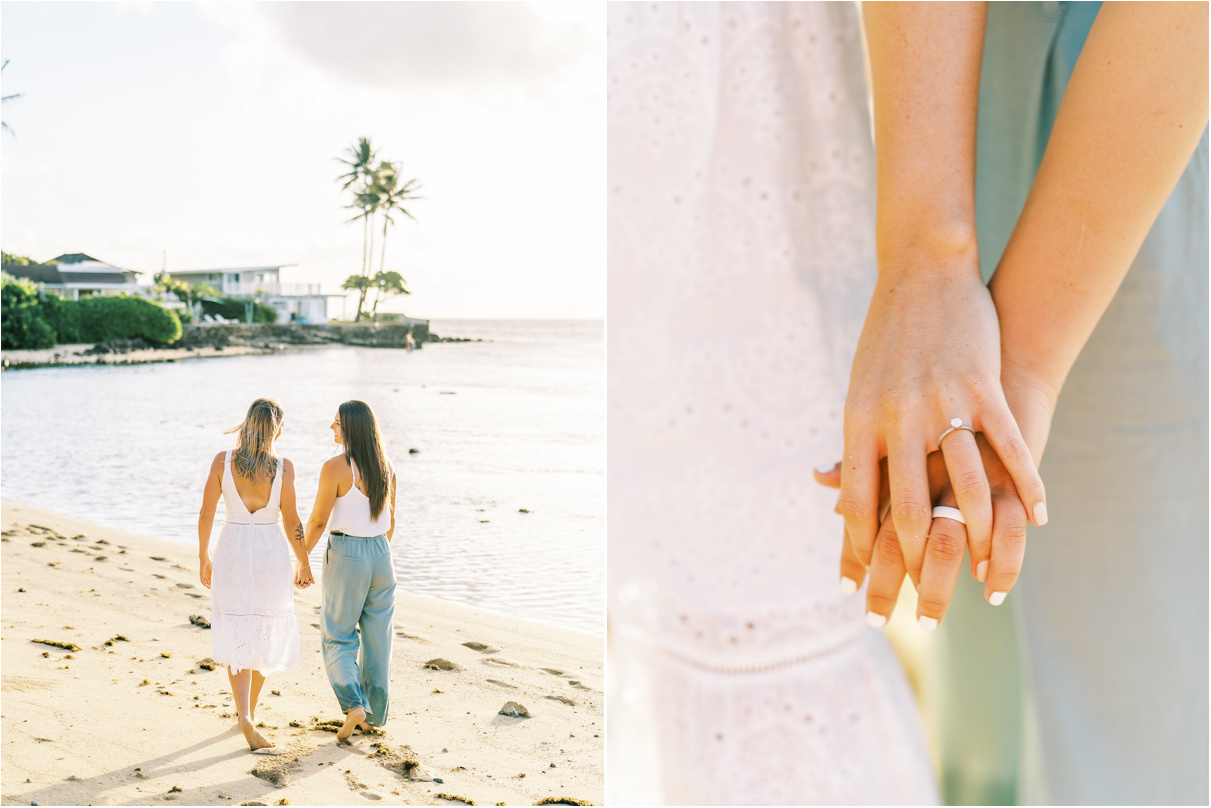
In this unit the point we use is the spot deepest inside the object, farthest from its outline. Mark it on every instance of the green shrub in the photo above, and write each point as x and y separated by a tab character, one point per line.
64	318
233	308
126	317
21	323
101	318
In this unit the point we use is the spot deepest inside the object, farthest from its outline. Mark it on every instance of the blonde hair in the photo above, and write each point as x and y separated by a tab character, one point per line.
253	456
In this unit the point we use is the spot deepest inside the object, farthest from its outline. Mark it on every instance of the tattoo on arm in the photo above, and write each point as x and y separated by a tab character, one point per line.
299	536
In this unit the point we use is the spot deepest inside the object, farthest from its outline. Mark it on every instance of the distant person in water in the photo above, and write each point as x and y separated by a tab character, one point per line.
409	341
252	620
357	491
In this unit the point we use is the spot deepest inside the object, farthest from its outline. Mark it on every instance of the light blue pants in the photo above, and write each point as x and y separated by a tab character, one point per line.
359	599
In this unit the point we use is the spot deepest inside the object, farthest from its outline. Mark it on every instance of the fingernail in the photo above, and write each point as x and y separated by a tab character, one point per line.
848	585
982	571
824	468
927	623
997	598
1040	514
876	620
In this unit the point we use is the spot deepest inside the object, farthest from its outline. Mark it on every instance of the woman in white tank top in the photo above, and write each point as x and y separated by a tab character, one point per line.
357	493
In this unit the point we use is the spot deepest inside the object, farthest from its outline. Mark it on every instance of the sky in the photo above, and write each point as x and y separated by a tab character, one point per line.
206	135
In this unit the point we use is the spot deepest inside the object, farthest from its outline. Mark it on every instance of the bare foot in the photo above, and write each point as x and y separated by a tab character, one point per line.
352	718
255	739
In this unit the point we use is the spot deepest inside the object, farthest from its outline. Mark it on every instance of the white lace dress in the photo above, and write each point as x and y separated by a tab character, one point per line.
741	262
252	620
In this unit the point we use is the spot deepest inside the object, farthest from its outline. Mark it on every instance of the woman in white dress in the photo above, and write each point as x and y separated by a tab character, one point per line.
741	261
252	621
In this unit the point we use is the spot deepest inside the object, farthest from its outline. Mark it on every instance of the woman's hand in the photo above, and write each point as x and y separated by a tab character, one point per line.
929	352
303	577
205	566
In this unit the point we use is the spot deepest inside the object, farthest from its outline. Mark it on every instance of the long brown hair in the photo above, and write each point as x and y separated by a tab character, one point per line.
253	457
364	446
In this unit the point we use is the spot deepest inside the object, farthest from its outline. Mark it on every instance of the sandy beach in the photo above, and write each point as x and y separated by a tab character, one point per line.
120	708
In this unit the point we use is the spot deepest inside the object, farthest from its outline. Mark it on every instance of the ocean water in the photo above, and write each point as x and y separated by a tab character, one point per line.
515	422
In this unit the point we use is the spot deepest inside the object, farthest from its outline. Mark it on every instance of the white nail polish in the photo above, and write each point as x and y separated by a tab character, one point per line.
825	468
876	620
997	598
982	571
849	585
1040	514
927	623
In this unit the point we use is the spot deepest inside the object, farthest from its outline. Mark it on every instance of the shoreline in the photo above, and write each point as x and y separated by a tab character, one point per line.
130	717
77	355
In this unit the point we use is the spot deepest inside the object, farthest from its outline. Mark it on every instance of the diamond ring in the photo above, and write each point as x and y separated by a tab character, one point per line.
955	423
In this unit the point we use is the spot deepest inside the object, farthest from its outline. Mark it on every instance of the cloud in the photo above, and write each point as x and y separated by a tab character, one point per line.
391	45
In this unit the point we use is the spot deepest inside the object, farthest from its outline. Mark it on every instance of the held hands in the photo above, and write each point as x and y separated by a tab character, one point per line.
929	352
302	575
997	564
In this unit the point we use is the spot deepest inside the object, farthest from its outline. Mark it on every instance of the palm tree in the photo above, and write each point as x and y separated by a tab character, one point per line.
385	285
4	126
392	196
368	202
360	159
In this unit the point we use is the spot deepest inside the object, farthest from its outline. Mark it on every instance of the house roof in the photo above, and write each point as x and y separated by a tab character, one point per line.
38	273
75	258
94	274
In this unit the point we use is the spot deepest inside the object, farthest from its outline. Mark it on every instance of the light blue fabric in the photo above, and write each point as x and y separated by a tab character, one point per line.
357	615
1112	604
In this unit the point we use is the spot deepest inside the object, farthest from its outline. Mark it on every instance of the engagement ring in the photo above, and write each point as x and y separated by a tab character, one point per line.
955	423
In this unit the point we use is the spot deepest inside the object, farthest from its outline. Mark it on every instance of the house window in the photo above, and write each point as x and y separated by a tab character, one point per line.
233	278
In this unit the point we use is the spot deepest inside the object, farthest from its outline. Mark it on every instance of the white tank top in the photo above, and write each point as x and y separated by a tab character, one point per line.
351	513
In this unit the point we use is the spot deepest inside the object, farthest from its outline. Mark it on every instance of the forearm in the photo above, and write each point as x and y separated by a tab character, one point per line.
925	68
1131	117
315	532
298	541
205	525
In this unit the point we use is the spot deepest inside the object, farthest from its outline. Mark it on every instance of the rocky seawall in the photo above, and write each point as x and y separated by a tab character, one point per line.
229	339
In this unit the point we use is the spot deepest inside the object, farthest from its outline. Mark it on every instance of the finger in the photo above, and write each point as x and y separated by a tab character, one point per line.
943	560
886	576
828	475
910	503
860	497
853	572
1002	433
971	491
1008	547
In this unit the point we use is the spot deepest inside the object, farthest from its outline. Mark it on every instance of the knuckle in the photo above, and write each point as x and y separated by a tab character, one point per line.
971	485
910	515
856	507
945	547
934	607
883	604
1015	451
895	405
887	549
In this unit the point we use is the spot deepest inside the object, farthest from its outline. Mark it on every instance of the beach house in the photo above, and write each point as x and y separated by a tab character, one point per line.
75	275
294	302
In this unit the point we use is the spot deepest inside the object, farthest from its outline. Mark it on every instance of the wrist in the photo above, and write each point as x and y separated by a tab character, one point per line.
928	253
